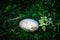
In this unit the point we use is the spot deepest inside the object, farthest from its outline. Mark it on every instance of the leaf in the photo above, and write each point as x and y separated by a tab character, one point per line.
44	28
8	7
41	22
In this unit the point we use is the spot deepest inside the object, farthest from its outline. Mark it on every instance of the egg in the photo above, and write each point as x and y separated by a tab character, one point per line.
29	25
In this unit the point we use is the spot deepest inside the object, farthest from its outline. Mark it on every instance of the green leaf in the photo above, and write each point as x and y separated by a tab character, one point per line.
44	28
8	7
41	22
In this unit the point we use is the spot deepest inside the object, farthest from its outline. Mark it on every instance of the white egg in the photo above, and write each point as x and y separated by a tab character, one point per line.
29	24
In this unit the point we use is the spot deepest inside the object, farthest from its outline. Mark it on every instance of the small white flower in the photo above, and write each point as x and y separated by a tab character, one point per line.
29	24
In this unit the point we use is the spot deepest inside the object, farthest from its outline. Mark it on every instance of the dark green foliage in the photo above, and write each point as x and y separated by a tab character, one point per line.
46	12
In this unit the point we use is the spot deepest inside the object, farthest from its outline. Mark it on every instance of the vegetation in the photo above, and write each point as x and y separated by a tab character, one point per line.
46	12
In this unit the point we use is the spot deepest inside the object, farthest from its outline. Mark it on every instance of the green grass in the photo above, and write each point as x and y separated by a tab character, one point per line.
12	12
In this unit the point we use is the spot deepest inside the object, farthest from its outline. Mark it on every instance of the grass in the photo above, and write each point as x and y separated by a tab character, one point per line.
11	12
